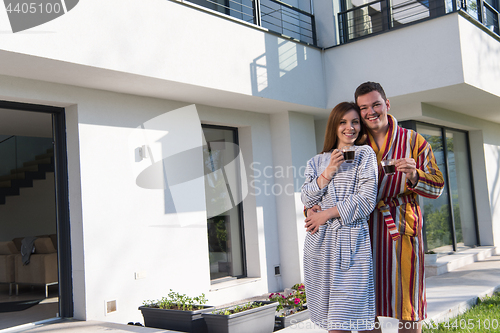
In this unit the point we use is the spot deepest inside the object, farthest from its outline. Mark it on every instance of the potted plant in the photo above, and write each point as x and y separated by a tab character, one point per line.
430	258
252	317
176	312
291	308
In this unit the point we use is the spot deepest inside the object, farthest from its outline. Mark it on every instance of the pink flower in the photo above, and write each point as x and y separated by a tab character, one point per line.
296	301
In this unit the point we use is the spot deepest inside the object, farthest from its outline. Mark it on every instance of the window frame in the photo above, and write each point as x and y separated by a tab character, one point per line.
239	208
412	124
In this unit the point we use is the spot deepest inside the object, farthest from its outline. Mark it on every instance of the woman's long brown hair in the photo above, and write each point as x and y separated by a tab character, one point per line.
336	115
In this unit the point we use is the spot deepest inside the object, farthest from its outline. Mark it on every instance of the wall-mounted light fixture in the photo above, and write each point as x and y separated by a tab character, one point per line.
143	152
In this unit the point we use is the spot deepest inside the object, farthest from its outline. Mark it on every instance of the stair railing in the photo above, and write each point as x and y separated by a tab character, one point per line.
8	155
15	150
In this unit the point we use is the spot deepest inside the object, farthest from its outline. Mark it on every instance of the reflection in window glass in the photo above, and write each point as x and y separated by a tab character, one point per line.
224	230
461	188
472	8
437	219
241	9
364	21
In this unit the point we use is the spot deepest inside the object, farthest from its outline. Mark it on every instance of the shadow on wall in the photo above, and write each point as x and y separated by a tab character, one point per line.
277	71
172	154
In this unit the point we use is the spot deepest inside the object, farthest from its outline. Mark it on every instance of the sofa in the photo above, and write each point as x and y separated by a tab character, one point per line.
8	252
42	268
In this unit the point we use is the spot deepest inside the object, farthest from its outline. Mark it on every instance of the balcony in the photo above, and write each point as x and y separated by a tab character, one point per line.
274	15
365	19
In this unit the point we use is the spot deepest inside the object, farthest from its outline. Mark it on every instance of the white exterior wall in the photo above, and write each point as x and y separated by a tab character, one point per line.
320	126
159	43
479	57
326	22
303	142
119	229
293	143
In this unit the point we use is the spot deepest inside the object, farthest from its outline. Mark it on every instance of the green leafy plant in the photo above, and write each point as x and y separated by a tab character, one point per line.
299	287
238	308
430	252
178	301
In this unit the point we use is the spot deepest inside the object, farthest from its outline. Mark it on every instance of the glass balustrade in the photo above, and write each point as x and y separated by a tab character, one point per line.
15	151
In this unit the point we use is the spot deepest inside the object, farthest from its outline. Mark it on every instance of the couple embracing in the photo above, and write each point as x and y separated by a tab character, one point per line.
363	253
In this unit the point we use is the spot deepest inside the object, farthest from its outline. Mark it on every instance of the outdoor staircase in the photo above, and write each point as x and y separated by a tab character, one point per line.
23	177
449	262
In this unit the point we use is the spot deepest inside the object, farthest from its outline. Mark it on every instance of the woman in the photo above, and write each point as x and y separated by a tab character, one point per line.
337	254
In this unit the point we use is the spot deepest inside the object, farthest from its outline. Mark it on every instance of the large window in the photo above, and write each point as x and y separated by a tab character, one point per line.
450	220
437	217
223	199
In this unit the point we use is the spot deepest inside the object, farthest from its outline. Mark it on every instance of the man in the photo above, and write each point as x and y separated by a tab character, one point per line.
396	223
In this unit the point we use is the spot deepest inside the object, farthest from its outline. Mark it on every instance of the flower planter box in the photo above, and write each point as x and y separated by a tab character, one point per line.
291	319
176	320
256	320
430	259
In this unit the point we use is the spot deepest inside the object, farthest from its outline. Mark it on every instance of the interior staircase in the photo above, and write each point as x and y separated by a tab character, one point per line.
23	177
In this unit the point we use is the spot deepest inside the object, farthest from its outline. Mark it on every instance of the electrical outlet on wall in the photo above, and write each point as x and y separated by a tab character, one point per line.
140	275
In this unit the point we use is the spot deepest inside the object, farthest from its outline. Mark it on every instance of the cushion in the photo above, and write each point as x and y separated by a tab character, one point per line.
44	245
54	240
8	247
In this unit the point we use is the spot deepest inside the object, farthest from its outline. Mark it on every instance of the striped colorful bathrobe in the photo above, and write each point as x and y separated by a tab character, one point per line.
396	225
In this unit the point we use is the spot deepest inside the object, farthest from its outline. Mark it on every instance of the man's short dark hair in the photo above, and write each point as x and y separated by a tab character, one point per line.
368	87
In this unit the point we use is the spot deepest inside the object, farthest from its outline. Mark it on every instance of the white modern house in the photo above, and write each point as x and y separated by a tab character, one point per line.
180	131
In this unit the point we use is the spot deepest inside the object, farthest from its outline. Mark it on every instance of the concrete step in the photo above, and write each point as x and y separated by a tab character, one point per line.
450	262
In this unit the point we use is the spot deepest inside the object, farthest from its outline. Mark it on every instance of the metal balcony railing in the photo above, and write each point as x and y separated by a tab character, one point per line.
491	18
382	15
274	15
287	20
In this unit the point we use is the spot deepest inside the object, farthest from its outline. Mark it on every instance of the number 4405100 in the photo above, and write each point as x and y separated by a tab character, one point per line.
33	8
472	324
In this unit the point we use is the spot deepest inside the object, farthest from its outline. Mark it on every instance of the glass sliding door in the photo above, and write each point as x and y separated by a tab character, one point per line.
450	220
461	189
437	218
222	190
